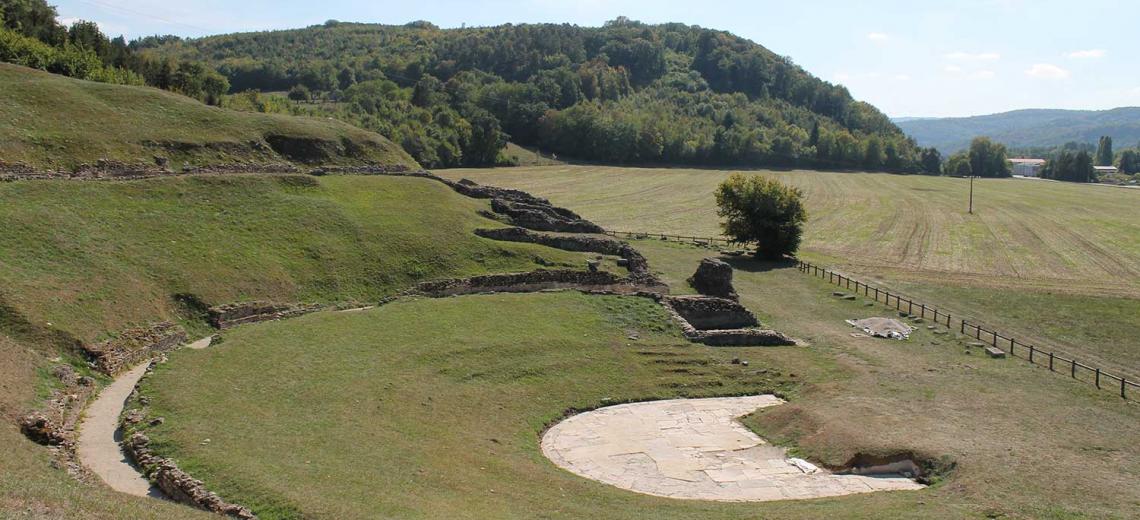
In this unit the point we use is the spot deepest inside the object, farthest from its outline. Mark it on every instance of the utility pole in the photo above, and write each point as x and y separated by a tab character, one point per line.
971	194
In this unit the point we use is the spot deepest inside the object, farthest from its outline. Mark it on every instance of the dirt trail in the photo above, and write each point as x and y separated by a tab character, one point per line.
99	435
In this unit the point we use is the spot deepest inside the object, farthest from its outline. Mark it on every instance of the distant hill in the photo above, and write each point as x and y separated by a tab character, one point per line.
59	123
624	93
1027	128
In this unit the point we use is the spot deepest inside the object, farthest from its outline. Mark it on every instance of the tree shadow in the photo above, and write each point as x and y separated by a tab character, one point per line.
755	265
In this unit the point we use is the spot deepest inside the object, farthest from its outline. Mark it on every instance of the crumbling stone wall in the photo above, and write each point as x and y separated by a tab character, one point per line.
233	314
132	346
733	318
714	278
537	281
635	261
178	485
543	217
708	313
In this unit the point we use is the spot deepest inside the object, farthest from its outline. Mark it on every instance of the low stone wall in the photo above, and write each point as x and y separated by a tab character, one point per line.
54	423
233	314
132	346
177	484
636	262
543	217
534	281
704	309
709	313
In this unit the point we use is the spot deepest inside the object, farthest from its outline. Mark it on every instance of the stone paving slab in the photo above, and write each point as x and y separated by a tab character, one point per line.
694	449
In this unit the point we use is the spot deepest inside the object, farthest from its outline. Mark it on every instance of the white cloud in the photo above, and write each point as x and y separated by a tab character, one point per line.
1046	71
982	74
1086	54
980	56
902	77
878	37
953	69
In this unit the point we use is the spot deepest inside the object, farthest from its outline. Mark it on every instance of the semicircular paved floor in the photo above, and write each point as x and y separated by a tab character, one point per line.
695	449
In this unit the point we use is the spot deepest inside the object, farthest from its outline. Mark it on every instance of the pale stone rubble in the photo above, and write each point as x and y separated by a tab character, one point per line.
695	449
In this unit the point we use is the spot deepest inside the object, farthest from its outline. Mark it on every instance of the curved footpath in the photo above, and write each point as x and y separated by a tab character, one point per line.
99	435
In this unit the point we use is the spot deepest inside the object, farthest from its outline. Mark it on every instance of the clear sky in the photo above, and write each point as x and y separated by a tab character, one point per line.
909	58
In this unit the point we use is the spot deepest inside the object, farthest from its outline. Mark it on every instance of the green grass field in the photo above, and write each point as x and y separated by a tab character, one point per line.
83	260
1055	264
98	257
50	121
433	408
1025	234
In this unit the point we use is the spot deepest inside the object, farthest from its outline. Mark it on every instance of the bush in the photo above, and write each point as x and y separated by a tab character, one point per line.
762	210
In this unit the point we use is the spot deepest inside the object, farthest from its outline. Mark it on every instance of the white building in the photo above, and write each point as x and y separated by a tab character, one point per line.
1027	167
1104	170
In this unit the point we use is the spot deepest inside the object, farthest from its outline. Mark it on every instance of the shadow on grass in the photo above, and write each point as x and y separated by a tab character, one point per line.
756	265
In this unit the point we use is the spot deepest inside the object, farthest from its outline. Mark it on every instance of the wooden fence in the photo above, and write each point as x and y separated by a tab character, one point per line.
1035	355
712	241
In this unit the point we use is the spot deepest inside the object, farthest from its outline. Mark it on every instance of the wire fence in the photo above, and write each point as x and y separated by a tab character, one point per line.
984	336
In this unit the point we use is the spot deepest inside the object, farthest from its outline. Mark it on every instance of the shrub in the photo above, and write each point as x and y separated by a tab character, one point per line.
762	210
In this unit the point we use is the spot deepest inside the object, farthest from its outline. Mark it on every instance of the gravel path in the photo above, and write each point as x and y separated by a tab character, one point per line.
99	435
695	449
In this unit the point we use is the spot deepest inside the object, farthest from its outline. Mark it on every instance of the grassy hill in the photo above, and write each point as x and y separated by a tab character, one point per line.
1027	128
54	122
84	260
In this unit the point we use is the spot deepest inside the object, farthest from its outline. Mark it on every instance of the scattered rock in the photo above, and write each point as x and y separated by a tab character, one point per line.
995	352
593	265
39	428
714	278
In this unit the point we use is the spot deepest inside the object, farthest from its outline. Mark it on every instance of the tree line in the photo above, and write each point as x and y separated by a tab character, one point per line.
626	93
30	35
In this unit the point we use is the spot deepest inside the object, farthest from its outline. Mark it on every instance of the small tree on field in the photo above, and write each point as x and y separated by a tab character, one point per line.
764	211
300	93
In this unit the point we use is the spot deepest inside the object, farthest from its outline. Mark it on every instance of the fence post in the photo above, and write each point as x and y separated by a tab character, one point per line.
1073	371
995	339
1098	378
1031	353
910	306
922	310
876	295
1122	383
979	332
1050	361
963	331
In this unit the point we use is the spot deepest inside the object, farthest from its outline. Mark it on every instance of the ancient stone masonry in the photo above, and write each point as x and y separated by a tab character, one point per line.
714	278
177	484
543	217
720	322
708	313
379	169
133	346
53	425
540	280
635	262
232	314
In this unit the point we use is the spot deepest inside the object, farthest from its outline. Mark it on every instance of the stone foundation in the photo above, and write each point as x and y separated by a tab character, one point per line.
540	280
233	314
720	323
543	217
710	313
177	484
133	346
635	262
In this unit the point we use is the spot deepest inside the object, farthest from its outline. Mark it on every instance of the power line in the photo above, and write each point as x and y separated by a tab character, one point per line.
123	10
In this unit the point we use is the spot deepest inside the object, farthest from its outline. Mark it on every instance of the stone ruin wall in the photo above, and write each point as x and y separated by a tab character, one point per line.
234	314
535	281
135	345
178	485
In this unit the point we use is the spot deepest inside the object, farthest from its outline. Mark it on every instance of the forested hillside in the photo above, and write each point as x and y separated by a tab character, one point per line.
1024	129
624	93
